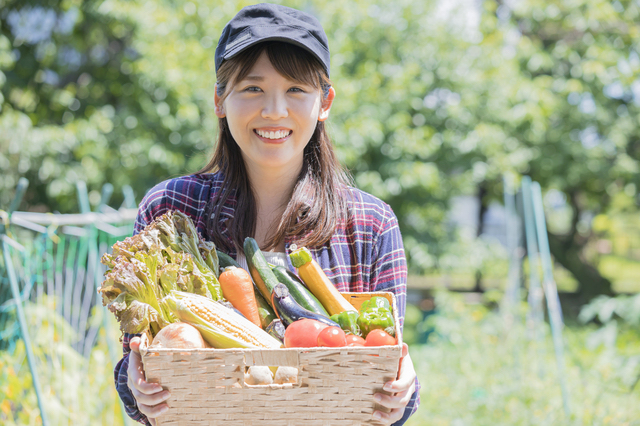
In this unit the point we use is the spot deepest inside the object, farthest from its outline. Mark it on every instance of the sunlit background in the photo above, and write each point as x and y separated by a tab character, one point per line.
441	108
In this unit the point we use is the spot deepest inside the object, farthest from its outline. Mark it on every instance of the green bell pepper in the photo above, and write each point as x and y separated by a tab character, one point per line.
348	321
376	302
375	313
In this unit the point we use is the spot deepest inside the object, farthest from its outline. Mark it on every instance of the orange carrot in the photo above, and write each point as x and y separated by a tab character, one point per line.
237	288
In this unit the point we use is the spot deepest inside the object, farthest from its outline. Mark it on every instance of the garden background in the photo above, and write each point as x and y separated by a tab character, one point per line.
436	102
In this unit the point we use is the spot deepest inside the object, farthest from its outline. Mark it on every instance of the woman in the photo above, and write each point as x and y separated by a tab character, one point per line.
274	176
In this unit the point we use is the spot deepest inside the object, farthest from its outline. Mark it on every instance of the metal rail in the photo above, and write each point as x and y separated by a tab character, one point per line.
539	255
67	248
79	219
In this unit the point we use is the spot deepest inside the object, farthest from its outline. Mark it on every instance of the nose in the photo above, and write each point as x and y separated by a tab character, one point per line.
275	107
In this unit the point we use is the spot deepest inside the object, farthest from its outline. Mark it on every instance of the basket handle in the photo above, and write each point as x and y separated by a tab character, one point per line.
273	357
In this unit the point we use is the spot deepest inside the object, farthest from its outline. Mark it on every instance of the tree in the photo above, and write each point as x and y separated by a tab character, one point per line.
74	105
576	110
433	100
551	91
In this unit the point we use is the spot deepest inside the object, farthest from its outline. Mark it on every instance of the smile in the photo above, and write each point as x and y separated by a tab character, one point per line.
273	135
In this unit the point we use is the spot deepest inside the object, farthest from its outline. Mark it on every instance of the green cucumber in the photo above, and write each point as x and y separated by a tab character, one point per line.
267	315
259	269
298	291
225	260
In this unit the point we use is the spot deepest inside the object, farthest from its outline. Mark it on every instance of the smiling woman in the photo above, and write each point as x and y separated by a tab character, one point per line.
274	177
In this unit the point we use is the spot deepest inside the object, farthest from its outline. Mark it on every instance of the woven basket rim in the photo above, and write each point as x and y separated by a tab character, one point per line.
362	349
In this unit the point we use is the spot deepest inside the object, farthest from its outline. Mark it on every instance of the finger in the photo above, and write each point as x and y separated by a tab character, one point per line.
135	366
405	351
406	377
400	385
388	418
399	400
153	399
136	381
153	411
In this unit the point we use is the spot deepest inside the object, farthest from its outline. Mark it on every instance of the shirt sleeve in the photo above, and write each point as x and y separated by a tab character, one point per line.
389	273
121	378
149	208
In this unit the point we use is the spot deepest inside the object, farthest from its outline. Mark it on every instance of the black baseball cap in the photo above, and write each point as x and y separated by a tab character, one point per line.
266	21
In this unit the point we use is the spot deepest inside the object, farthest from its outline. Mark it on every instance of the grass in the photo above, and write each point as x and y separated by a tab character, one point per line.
480	367
76	390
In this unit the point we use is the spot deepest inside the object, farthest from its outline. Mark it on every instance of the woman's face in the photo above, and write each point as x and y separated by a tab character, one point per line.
272	118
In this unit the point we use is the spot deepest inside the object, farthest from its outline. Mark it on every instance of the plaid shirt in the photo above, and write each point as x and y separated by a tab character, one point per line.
364	255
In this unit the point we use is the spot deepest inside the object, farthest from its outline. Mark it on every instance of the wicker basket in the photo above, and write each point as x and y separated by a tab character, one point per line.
335	385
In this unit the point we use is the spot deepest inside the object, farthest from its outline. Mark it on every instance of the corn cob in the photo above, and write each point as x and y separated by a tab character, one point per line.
220	327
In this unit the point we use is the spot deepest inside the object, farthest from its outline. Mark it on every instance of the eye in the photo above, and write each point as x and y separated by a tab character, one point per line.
251	89
297	90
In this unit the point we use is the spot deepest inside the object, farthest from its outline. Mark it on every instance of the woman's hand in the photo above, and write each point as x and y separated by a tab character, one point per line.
149	396
403	387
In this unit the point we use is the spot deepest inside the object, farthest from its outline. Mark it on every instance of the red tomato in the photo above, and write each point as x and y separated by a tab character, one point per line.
379	338
303	333
332	337
353	340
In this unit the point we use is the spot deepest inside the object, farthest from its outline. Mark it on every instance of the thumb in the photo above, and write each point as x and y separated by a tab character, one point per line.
134	345
405	352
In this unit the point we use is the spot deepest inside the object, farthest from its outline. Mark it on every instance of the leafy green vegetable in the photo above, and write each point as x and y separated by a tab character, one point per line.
143	269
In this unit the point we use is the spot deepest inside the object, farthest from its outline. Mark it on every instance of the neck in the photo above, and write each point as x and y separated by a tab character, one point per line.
272	187
272	191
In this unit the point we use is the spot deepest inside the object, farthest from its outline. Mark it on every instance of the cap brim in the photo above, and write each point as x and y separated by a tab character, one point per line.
243	46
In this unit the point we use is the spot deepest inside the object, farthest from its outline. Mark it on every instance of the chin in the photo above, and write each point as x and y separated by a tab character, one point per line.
273	164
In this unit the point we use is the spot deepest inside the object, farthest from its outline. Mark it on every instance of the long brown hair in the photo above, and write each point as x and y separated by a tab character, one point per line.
318	200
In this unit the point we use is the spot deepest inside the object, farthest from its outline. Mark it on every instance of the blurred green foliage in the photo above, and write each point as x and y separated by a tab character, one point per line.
76	106
433	100
478	370
75	389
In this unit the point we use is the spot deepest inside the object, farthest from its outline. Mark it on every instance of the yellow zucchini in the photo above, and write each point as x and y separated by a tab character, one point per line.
318	282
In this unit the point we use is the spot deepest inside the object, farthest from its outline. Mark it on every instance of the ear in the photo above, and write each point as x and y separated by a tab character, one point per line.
326	105
219	106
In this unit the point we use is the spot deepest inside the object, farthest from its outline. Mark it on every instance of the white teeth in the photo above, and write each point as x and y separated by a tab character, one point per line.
273	135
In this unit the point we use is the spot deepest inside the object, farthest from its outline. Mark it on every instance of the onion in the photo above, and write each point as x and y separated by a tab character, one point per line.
179	335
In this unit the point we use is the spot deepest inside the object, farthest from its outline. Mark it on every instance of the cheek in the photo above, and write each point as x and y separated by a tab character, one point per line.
305	112
308	112
310	108
237	114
